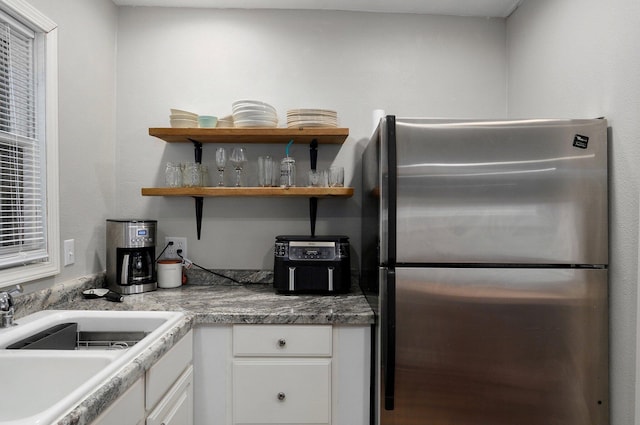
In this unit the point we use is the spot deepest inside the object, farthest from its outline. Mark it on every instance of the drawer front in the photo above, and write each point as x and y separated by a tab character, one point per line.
177	406
168	369
282	340
291	391
128	409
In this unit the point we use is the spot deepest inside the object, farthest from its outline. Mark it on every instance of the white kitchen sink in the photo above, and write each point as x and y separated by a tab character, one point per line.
40	386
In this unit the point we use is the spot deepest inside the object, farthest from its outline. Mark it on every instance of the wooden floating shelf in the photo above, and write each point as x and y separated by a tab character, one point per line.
300	192
323	135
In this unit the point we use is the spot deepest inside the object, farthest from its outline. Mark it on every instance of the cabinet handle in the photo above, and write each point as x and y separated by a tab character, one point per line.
282	342
281	396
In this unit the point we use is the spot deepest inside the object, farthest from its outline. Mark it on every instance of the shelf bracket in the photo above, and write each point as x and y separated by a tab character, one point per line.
197	151
313	201
199	204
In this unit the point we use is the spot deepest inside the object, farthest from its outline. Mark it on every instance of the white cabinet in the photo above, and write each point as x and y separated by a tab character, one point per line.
128	409
292	391
169	386
322	372
282	374
163	396
176	408
162	375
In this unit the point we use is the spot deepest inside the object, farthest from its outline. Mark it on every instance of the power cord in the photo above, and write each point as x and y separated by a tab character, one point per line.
165	248
179	252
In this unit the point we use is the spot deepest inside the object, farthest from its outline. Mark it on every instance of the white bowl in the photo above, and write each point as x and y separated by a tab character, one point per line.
255	123
181	112
254	116
182	123
251	104
183	117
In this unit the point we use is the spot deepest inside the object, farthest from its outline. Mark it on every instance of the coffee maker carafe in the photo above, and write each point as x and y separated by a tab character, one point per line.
131	250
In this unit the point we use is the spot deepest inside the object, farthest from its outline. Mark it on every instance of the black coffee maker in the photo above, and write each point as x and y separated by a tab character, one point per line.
131	250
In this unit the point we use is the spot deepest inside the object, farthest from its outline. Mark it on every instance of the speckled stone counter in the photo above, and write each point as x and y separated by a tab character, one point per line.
247	303
208	299
214	299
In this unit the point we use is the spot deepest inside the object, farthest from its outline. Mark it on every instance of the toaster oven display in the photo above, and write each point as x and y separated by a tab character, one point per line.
315	253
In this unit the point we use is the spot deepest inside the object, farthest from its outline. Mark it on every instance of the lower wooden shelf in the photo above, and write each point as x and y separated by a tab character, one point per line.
199	193
227	191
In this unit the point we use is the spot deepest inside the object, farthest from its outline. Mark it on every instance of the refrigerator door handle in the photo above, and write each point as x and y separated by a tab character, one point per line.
389	348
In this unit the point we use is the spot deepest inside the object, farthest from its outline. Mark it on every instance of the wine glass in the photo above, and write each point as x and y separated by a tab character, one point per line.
238	159
221	160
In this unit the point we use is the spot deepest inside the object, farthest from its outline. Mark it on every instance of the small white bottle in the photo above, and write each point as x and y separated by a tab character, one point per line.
287	172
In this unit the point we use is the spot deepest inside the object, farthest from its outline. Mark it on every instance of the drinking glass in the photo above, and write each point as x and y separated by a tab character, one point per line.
173	174
191	175
265	171
238	160
336	177
221	161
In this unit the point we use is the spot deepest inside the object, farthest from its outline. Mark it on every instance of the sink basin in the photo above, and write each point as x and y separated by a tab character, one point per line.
40	386
32	377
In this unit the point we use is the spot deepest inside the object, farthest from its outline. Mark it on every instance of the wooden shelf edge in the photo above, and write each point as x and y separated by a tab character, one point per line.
205	192
324	135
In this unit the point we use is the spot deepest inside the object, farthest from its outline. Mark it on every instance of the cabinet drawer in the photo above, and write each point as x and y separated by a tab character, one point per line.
168	369
128	409
177	407
282	340
271	391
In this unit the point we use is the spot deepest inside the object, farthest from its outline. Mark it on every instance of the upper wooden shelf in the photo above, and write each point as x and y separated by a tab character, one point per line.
216	191
324	135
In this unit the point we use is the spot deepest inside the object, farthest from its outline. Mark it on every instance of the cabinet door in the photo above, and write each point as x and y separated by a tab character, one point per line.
176	408
128	409
168	369
279	391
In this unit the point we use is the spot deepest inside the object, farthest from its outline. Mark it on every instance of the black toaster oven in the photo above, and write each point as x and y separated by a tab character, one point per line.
311	264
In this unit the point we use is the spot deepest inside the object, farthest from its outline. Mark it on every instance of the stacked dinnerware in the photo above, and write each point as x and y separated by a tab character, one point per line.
183	119
225	122
312	118
253	113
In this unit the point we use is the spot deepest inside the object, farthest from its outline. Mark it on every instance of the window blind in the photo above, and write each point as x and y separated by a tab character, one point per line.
22	201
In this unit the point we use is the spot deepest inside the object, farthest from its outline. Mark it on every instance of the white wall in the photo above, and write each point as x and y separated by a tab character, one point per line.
203	60
86	61
565	58
579	58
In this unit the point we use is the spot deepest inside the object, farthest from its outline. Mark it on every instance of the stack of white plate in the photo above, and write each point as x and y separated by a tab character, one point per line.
253	113
312	118
183	119
225	122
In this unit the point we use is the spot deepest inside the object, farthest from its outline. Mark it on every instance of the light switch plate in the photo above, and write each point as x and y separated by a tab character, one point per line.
69	252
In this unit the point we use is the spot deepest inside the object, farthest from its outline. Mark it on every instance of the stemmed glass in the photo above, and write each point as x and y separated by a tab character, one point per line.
238	159
221	160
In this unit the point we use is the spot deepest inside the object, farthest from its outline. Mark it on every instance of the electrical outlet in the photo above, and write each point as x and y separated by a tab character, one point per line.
172	250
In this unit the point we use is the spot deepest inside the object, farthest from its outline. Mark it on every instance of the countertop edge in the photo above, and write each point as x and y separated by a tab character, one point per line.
95	403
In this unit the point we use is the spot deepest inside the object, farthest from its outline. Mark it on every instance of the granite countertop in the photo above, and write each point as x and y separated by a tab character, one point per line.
254	303
207	300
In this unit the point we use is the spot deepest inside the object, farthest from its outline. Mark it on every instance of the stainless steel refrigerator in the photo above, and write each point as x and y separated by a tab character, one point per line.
485	252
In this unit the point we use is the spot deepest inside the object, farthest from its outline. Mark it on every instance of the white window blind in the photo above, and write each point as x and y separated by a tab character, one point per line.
22	195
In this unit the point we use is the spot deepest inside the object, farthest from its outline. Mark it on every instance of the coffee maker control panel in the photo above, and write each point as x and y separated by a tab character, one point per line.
139	236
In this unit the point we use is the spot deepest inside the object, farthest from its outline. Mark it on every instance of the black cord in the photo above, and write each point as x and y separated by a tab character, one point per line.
165	248
210	271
